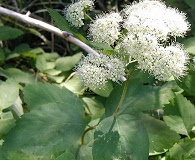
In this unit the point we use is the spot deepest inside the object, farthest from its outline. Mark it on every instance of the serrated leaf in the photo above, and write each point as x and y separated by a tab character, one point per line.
160	136
120	137
68	62
188	82
180	115
7	33
184	150
9	92
55	122
134	96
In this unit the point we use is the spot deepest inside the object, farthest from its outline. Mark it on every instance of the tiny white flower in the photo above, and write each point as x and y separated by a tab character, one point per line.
106	28
154	18
95	72
75	12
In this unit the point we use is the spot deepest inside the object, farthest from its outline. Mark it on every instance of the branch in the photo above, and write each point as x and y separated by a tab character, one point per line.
45	26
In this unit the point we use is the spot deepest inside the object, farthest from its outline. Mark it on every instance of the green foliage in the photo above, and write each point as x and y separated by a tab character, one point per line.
178	118
8	95
161	137
133	96
183	150
7	33
56	122
191	3
122	137
68	62
46	113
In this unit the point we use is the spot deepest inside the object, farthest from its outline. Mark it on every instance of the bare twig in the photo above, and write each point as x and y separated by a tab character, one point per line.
45	26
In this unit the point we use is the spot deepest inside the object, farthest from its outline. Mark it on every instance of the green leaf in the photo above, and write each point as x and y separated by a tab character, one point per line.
43	65
7	121
160	136
134	96
100	46
188	82
63	24
191	3
184	150
104	92
68	62
20	76
180	115
54	123
75	85
9	92
17	107
60	21
94	108
85	153
66	155
7	33
120	137
190	43
53	72
23	47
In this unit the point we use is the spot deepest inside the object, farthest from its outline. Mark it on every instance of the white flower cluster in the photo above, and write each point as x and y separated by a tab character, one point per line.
106	28
95	71
154	18
149	25
141	32
75	12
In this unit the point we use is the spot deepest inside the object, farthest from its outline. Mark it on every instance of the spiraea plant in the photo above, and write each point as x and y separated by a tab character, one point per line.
143	32
128	96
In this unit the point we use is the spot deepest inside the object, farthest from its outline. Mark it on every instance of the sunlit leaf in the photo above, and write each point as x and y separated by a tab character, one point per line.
20	76
184	150
75	85
188	82
68	62
180	115
9	92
